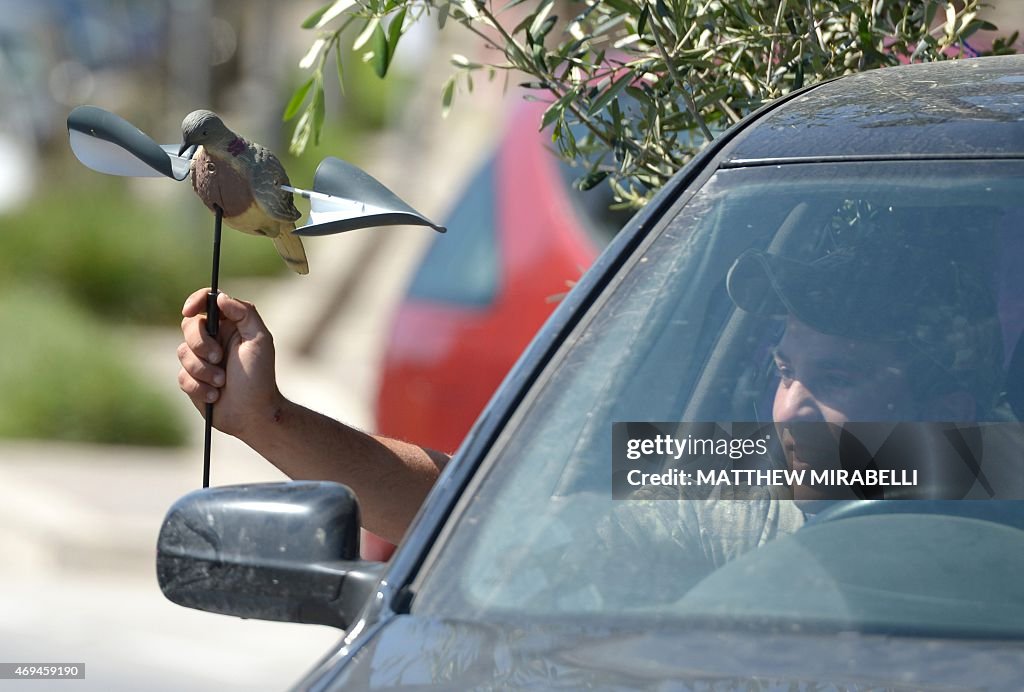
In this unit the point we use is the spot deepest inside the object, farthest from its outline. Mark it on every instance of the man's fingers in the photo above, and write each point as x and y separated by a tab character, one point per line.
197	378
199	342
197	391
195	304
247	320
198	368
239	314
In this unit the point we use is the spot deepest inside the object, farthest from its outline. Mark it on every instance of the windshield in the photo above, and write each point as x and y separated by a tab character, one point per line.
793	302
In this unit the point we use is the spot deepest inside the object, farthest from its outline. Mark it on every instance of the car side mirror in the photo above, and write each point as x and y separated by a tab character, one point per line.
271	551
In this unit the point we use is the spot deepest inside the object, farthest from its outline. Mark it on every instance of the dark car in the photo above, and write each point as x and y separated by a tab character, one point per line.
769	441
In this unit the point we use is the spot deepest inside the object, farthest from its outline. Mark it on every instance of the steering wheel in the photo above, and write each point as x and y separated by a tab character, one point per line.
1007	512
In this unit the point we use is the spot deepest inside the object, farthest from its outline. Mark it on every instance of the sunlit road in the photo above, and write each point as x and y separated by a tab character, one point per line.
78	530
130	638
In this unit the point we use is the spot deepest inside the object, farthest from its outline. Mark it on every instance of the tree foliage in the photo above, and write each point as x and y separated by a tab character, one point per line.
637	87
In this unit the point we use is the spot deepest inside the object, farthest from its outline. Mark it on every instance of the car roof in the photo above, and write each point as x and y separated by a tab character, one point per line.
953	109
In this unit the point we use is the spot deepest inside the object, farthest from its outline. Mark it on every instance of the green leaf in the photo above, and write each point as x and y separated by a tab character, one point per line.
524	26
381	55
615	113
551	114
318	112
312	19
327	13
567	143
368	31
557	109
623	7
447	96
395	32
539	18
313	54
641	23
590	180
571	48
341	69
711	96
540	57
638	93
545	28
292	109
469	8
300	136
464	63
614	90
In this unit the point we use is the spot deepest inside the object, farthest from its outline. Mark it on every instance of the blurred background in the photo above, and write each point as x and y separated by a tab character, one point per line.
398	330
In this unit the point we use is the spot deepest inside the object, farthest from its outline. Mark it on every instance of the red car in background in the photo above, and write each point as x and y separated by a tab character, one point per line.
518	238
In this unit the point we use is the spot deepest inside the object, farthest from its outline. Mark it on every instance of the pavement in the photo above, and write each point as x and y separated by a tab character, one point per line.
79	523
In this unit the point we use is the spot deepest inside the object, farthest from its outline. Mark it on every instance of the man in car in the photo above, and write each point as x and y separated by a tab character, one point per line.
880	331
892	328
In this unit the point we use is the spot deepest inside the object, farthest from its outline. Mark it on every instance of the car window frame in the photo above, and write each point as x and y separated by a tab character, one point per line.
593	313
528	374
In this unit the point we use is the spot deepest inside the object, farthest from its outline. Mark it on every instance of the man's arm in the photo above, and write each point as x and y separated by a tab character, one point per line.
236	371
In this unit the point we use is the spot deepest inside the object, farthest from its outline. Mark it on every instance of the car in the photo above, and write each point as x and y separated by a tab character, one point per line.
770	440
520	236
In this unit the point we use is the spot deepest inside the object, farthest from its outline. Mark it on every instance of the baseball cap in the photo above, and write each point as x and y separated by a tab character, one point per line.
885	289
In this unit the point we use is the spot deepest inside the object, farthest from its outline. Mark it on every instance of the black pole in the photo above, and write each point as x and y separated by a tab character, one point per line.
212	328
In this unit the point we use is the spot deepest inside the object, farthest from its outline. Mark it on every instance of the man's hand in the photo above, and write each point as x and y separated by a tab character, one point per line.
235	370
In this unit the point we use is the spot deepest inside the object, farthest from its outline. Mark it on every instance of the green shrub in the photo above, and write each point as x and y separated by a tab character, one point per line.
635	89
119	255
64	377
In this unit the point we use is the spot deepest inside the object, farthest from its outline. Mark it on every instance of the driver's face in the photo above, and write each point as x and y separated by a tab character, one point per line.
832	380
835	379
